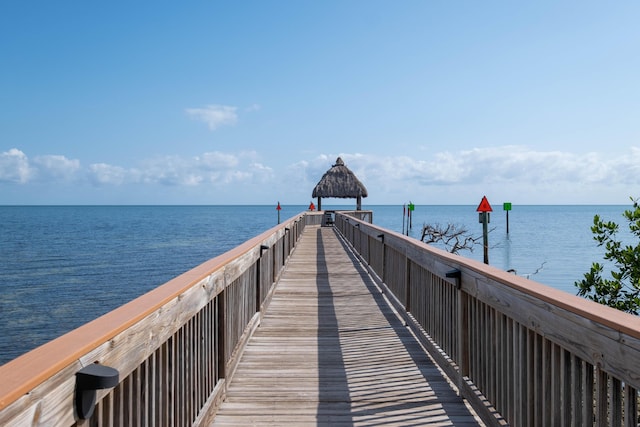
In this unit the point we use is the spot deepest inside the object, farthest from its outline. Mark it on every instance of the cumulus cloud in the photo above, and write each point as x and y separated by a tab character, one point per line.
214	115
57	167
512	170
627	169
105	174
14	167
213	171
503	164
216	168
168	170
216	160
440	177
532	166
260	172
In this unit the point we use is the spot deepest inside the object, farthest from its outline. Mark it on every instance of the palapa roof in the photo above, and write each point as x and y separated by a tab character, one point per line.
339	182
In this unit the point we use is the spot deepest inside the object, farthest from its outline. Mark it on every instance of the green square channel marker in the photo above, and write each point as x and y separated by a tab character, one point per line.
507	206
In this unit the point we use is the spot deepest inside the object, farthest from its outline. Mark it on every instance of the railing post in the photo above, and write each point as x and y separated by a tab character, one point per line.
222	326
284	248
384	251
407	290
259	278
630	406
462	334
601	398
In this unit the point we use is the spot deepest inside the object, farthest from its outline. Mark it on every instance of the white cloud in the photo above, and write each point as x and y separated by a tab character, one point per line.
168	170
214	115
502	165
627	169
56	166
215	168
260	172
519	173
211	167
216	160
103	174
513	171
14	167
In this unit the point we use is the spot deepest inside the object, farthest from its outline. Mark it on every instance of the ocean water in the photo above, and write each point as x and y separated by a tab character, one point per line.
62	266
552	245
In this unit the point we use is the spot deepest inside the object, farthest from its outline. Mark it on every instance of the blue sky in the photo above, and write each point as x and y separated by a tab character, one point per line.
250	102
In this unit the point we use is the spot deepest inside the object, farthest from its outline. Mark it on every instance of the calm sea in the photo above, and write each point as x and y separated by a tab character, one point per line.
62	266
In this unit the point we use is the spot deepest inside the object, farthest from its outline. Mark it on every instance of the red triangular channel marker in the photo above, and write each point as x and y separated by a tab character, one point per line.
484	205
278	207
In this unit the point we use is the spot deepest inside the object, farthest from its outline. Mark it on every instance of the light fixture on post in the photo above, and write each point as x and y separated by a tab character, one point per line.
456	275
88	380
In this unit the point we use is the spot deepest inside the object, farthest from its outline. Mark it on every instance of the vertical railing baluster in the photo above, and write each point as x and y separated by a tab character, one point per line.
602	397
565	388
588	402
616	406
577	390
630	406
463	338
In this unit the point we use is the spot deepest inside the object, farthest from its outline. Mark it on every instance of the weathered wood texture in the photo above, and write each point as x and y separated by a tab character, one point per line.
174	347
522	353
528	354
330	351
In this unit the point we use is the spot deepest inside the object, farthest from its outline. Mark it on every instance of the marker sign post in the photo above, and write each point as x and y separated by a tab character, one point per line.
484	208
507	207
407	211
412	208
278	208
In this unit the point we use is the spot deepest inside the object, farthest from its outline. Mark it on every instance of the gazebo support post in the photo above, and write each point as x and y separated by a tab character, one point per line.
359	203
319	203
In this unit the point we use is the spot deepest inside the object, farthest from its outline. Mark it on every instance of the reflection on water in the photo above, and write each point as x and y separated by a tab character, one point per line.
505	248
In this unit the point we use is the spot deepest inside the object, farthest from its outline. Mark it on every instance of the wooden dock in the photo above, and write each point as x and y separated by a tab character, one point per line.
330	351
289	329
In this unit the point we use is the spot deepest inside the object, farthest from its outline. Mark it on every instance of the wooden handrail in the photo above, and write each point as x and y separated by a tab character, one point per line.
599	313
521	352
38	386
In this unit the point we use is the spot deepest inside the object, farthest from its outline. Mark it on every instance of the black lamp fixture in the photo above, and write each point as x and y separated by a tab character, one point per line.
88	380
456	275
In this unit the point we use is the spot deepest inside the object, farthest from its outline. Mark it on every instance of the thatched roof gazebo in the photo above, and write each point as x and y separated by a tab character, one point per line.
340	182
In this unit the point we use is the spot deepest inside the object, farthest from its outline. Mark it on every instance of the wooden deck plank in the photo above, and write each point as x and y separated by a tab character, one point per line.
331	352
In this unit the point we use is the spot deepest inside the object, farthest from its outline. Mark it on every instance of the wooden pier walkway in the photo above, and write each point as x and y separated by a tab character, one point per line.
331	352
289	329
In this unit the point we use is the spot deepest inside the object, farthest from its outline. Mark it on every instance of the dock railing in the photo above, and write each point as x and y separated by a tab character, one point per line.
173	348
522	353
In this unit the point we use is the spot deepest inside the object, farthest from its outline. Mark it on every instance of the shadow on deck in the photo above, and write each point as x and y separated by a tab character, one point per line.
331	351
